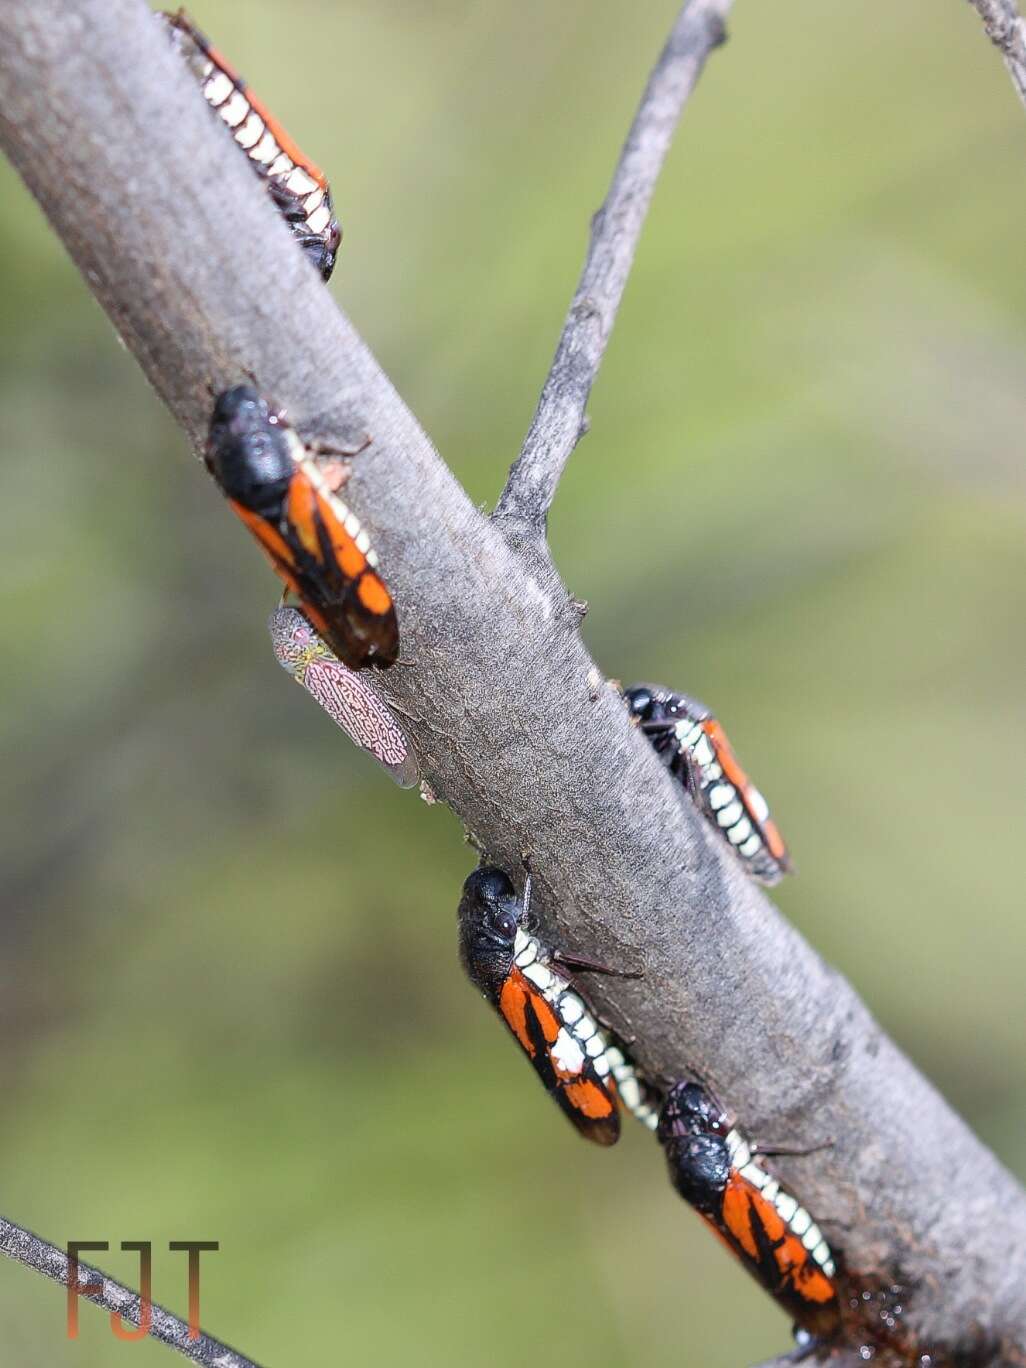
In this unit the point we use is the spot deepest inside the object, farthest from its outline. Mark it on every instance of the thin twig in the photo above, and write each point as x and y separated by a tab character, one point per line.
28	1249
559	421
1006	29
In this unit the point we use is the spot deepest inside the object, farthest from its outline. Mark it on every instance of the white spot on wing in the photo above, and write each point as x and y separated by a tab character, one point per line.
294	445
235	110
687	732
571	1008
786	1205
730	814
218	88
526	956
567	1053
758	804
740	832
538	975
299	182
266	149
251	131
630	1092
703	751
742	1155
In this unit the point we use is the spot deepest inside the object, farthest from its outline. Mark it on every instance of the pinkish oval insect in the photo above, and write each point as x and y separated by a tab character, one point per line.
344	695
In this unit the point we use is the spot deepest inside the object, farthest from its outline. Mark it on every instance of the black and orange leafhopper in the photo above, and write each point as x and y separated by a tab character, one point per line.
315	543
694	747
714	1168
582	1067
297	186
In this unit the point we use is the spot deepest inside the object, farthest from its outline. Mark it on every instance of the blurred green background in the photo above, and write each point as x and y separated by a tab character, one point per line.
222	1015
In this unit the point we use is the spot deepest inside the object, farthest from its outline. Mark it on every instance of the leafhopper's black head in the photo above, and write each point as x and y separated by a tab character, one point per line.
693	1132
654	703
699	1170
323	253
489	915
321	257
320	251
640	702
248	452
651	707
657	711
690	1111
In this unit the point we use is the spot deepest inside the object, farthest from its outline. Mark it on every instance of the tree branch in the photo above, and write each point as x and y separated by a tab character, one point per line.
30	1250
1007	31
515	727
559	421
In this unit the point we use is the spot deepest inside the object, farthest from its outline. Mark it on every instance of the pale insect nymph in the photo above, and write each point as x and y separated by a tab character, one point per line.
344	695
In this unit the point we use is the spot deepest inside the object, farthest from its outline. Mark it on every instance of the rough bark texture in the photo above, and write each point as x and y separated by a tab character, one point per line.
515	726
1006	29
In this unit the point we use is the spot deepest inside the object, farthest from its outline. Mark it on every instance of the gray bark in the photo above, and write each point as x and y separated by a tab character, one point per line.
1006	29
